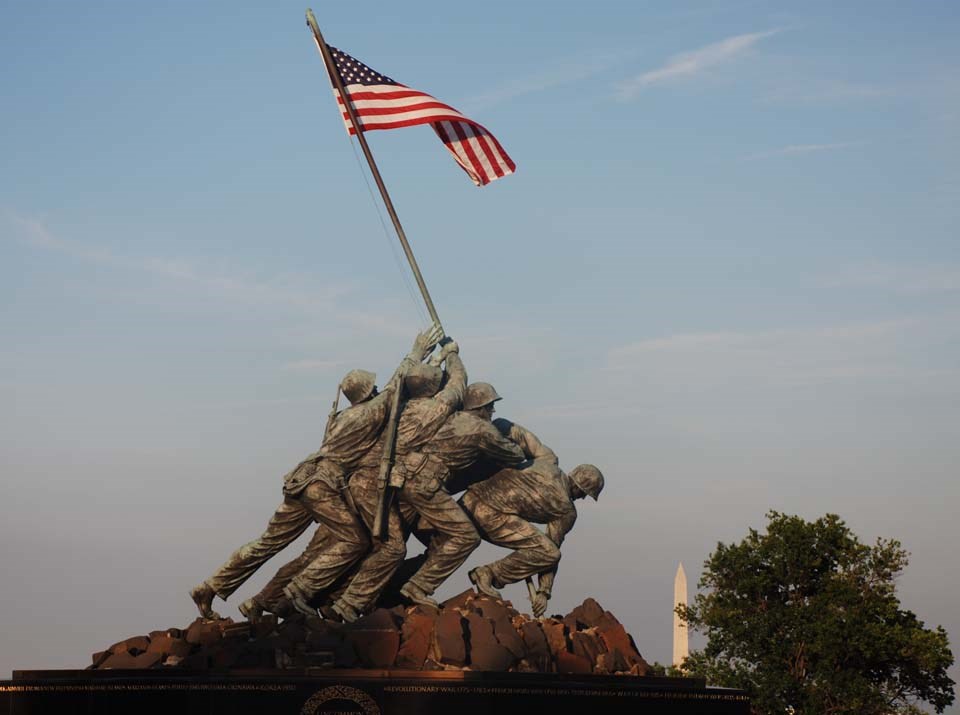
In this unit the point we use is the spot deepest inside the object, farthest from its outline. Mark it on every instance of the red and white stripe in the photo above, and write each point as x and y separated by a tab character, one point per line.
475	149
389	106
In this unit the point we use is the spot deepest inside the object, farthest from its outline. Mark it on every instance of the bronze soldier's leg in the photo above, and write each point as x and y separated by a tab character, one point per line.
347	544
287	523
455	537
534	552
374	571
271	596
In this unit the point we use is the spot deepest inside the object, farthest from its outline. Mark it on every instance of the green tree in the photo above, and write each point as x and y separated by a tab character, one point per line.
805	617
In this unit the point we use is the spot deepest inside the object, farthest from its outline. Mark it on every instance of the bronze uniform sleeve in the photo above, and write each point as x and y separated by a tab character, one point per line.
498	448
452	393
531	445
557	530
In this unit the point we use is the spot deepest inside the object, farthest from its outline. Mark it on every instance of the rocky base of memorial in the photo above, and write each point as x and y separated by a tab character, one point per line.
471	632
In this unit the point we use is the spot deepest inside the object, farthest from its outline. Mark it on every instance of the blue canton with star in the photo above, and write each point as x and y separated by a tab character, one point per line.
353	71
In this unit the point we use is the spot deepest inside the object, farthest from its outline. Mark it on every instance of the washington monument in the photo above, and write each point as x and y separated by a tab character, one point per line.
681	647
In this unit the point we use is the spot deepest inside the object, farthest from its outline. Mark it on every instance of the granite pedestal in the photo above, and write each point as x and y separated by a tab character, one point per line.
359	692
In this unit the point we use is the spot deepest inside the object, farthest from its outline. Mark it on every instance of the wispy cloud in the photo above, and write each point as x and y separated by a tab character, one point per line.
711	381
683	341
310	365
282	291
801	149
558	74
916	279
861	350
332	314
582	411
826	91
694	62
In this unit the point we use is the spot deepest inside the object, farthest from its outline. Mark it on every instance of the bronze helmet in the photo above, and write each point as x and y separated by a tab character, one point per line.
422	380
358	385
479	394
588	478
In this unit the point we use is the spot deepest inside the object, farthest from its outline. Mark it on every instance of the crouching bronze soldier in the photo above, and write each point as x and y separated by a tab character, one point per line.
503	507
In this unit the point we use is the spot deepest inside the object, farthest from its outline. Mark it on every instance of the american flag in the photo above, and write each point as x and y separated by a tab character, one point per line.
382	103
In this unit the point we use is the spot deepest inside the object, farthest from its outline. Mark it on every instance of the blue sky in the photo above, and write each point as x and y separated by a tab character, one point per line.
726	271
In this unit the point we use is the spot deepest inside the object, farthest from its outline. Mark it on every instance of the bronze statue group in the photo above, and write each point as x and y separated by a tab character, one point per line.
387	468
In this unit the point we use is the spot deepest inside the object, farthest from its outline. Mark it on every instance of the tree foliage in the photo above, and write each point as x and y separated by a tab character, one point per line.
806	617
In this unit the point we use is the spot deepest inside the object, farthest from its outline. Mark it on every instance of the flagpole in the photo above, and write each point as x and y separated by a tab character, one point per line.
338	84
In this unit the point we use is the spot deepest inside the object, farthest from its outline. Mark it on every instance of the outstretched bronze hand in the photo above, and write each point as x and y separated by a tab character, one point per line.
426	341
448	346
539	604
